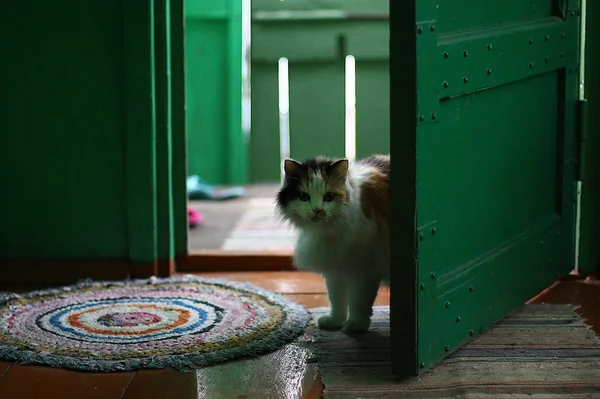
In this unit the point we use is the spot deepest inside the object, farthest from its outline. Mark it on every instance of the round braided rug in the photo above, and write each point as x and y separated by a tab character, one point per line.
183	322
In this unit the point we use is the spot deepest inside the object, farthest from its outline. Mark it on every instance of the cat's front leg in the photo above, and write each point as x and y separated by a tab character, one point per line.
362	291
336	291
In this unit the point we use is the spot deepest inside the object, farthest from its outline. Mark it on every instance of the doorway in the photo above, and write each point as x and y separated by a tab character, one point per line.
276	95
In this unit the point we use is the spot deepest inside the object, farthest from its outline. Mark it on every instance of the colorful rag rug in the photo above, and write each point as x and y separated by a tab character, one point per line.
539	351
183	322
258	230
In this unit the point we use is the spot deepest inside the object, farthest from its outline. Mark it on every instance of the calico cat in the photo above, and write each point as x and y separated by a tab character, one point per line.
342	212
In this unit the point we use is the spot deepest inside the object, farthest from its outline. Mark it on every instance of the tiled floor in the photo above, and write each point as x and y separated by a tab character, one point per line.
283	374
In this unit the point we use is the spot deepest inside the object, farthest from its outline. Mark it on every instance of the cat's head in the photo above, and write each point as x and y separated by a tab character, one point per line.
314	193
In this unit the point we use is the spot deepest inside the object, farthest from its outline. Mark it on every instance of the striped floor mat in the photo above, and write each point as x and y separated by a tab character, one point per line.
258	230
540	351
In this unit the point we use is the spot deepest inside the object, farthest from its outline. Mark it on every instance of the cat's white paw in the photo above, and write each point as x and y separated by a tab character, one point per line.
329	322
356	326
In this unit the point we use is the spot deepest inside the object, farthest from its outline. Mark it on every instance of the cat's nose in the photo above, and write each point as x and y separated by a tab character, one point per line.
318	211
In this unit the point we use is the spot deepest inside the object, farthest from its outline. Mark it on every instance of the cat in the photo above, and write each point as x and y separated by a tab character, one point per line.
342	212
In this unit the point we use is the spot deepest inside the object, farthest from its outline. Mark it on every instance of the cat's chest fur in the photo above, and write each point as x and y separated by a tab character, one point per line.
354	251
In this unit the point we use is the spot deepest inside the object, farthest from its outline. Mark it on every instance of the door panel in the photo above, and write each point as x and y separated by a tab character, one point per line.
494	168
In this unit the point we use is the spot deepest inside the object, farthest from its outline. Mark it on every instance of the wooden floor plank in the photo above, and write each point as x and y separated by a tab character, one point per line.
4	366
28	382
317	300
162	384
291	282
285	373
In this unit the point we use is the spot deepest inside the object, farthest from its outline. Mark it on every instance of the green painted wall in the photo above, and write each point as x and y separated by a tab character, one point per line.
216	147
92	133
61	130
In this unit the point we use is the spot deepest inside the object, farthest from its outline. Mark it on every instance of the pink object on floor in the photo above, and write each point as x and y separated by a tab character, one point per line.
194	217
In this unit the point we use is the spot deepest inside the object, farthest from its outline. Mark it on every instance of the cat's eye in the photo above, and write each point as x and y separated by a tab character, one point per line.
328	197
302	196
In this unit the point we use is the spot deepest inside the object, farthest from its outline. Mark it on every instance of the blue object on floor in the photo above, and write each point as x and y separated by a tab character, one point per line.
199	189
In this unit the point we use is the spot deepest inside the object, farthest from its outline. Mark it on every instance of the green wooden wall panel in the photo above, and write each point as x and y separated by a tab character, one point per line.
319	41
264	158
236	156
79	140
164	132
179	126
372	108
140	130
62	147
206	9
317	110
216	144
206	53
356	6
315	37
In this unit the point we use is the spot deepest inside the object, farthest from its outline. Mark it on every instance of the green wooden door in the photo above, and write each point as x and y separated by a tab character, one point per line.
484	196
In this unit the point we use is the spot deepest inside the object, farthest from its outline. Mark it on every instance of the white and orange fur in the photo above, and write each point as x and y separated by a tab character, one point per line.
342	211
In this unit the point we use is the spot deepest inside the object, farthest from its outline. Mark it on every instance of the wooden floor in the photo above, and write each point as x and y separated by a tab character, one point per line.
283	374
221	217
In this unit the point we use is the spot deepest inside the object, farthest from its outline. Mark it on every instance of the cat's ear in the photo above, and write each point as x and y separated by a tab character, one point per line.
292	168
338	169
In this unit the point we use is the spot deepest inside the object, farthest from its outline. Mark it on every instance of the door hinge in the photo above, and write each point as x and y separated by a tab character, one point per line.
581	135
